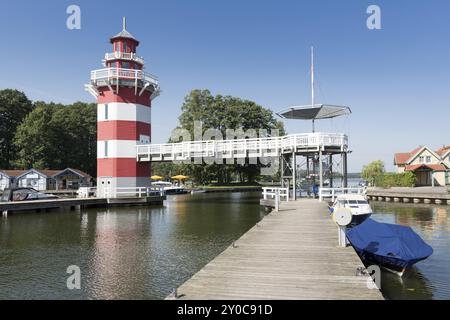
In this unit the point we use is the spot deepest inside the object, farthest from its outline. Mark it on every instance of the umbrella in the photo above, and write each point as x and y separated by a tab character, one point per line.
156	177
180	177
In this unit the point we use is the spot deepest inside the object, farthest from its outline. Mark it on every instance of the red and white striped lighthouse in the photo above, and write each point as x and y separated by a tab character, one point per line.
124	94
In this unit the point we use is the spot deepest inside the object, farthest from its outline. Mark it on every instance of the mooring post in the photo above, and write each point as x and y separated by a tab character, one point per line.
342	236
5	213
342	218
175	293
277	200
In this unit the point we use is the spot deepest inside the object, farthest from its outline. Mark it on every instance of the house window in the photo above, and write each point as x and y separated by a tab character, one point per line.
106	112
421	159
105	149
428	159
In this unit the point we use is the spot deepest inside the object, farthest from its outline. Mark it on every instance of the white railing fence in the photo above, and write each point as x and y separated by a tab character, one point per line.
124	55
132	192
334	192
271	193
120	73
239	148
278	194
87	192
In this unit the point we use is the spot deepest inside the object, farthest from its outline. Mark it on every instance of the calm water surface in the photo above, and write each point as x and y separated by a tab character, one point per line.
143	253
123	253
429	279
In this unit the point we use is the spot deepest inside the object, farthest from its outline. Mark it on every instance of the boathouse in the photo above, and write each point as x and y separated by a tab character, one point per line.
41	180
432	168
71	179
8	178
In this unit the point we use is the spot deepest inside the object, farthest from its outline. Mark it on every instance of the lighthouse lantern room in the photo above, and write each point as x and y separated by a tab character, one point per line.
124	93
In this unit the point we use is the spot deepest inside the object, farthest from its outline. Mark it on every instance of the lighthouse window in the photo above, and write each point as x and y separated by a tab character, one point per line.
106	111
124	47
126	65
106	149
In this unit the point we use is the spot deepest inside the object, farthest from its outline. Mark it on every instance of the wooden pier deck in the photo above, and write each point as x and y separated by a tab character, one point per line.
290	255
33	206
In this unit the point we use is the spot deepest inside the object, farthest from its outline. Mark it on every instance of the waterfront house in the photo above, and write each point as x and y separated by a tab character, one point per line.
432	168
71	179
40	180
8	178
67	179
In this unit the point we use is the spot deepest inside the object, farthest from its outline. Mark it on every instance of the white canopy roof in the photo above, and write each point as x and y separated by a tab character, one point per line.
314	112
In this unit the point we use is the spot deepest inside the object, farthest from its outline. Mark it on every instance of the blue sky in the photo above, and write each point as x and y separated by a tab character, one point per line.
396	80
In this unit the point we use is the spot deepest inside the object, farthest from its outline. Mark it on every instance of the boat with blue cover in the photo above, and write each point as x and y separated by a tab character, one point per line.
393	247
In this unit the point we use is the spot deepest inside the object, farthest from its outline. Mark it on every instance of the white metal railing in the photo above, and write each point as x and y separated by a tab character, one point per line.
334	192
108	74
277	194
125	56
239	148
271	193
132	192
86	192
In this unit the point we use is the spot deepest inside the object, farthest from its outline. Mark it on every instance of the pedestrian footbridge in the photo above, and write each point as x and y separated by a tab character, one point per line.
244	148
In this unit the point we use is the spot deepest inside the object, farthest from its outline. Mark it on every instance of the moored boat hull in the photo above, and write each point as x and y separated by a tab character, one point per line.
393	247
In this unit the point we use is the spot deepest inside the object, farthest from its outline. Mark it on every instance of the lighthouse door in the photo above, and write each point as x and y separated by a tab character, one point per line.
105	188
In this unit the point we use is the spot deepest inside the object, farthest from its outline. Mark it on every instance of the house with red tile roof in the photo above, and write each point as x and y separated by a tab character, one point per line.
431	167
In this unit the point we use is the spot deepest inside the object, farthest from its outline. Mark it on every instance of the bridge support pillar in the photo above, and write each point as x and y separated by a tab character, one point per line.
331	170
320	169
344	170
294	177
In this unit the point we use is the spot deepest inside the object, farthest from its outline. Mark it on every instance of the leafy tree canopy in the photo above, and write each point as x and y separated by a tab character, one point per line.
55	136
14	107
371	171
221	113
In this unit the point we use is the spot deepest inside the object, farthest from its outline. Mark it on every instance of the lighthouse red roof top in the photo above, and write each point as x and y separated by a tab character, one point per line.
124	33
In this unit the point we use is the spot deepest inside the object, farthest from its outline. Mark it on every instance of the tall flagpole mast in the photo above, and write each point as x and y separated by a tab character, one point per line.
312	83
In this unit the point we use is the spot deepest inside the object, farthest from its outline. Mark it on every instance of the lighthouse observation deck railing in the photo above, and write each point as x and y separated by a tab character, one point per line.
109	74
124	56
241	148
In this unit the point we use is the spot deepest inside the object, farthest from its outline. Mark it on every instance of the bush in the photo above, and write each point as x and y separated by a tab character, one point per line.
389	180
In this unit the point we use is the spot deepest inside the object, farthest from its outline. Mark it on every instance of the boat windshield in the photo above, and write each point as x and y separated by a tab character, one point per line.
362	202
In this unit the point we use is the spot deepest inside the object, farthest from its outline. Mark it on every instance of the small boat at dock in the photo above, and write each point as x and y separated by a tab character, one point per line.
356	204
393	247
194	191
169	188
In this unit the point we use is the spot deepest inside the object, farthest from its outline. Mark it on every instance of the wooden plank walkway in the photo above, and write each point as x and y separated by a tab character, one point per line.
32	206
291	254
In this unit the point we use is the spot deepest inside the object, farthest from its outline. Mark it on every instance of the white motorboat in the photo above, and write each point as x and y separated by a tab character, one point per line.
356	203
169	188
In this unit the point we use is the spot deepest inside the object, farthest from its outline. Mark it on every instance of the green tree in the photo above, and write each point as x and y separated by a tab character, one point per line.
222	113
54	136
373	170
14	107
